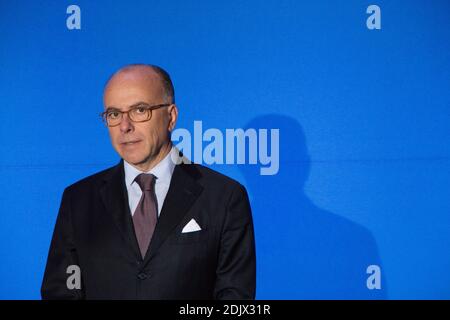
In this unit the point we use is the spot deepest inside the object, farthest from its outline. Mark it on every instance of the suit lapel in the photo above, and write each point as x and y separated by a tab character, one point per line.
183	192
115	198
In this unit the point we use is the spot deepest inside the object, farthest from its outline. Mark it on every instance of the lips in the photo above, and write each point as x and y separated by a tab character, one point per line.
130	143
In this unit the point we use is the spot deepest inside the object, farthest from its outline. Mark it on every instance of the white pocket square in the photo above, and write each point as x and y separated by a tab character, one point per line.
191	226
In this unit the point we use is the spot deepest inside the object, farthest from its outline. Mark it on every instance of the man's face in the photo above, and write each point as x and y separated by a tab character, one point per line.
139	143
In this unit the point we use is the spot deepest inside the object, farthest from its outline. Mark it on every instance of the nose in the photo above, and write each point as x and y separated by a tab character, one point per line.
126	125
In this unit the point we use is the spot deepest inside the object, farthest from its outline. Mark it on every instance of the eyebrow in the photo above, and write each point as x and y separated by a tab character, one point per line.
112	108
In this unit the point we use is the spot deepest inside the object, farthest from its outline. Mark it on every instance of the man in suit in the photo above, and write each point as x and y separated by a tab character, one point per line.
154	226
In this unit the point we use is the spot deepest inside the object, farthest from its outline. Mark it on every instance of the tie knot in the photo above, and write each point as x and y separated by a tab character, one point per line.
145	181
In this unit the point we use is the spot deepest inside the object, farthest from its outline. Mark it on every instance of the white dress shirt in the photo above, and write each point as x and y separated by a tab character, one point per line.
162	171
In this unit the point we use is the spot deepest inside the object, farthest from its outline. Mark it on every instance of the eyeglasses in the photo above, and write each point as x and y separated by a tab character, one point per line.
140	113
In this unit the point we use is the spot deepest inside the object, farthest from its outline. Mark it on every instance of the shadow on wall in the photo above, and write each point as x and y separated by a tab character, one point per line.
303	251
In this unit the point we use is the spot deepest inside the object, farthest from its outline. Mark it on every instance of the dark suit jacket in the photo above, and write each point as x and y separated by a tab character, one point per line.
94	230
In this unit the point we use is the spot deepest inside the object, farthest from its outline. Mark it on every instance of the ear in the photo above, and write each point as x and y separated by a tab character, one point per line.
173	116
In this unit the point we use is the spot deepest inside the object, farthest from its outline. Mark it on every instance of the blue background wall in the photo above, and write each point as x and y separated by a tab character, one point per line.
363	116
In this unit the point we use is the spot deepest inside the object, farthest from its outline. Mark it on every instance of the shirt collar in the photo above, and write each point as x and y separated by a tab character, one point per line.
162	171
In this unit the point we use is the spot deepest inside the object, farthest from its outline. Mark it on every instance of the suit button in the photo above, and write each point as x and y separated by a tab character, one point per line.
142	276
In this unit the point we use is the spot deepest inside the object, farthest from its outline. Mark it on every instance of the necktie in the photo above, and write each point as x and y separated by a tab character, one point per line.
145	216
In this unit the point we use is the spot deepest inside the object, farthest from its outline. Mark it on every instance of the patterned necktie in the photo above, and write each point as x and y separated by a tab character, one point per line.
145	216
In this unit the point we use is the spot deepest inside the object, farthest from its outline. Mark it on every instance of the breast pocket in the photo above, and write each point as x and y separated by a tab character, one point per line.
190	237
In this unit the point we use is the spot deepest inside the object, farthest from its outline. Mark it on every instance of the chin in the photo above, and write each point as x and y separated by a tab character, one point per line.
133	159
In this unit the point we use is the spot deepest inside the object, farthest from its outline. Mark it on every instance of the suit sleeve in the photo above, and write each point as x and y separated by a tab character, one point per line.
61	256
236	270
